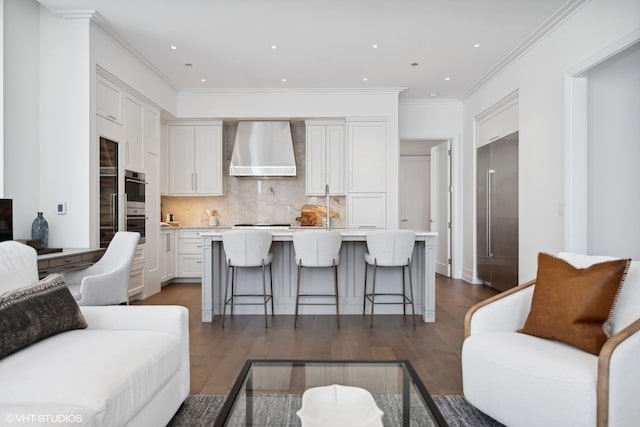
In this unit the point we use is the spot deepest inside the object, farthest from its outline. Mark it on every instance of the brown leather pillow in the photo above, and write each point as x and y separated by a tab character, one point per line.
571	304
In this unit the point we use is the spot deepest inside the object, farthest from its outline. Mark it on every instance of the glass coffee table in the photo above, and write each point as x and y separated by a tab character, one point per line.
269	392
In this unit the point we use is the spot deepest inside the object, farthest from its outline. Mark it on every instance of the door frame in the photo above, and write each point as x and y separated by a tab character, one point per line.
455	142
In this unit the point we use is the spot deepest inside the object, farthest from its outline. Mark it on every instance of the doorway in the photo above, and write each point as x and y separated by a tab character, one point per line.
425	193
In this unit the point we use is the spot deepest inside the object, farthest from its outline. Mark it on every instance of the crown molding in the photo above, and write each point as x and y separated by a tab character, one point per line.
99	22
561	15
427	101
291	91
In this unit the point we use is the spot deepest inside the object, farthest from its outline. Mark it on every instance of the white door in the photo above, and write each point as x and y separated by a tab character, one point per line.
415	192
441	205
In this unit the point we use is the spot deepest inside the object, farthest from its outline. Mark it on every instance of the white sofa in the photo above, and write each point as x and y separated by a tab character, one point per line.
129	367
523	380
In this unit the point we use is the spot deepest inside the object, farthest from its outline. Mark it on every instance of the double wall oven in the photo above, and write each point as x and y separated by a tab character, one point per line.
134	190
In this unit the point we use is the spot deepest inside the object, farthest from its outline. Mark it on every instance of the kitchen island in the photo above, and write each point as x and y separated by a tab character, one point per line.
350	276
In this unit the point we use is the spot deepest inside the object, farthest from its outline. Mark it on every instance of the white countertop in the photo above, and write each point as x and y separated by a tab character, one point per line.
359	234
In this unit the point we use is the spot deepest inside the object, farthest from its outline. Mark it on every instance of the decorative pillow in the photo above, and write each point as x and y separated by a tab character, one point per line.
571	304
35	312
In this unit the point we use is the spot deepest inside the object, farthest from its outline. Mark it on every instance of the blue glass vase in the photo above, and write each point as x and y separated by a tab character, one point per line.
40	230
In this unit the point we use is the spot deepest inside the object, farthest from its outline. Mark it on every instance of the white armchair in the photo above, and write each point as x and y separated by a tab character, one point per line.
522	380
107	281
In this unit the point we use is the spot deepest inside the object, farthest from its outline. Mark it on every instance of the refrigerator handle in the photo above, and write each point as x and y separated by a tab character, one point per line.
490	173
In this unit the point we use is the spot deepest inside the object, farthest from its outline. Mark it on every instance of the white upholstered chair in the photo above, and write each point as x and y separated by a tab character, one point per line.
107	281
247	248
317	248
389	248
522	380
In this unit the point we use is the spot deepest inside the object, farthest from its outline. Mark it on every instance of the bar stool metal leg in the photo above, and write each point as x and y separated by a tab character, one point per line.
271	285
364	300
373	291
335	281
295	319
413	310
226	288
404	293
264	294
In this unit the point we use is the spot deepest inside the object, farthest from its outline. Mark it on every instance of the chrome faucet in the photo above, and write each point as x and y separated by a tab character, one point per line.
327	206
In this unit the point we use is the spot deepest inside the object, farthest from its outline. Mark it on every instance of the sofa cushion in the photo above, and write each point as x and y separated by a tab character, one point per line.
627	306
535	382
32	313
18	265
103	377
571	304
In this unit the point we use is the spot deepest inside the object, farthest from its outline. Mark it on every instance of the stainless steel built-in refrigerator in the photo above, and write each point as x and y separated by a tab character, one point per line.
108	191
497	212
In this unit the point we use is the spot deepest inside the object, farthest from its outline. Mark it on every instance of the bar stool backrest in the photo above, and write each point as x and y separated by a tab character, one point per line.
247	248
317	248
390	248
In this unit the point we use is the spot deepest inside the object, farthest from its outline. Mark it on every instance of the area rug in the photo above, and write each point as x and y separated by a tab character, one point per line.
202	410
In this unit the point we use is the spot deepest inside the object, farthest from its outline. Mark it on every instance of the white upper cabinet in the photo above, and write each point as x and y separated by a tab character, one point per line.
325	157
108	100
501	122
367	156
195	158
133	119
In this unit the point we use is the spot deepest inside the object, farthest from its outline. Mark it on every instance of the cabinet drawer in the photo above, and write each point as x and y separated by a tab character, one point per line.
190	266
192	233
190	246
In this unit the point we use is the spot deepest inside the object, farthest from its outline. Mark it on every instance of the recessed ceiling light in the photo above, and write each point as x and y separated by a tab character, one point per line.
284	80
375	45
434	94
188	64
173	47
414	64
476	45
274	47
203	80
447	78
364	79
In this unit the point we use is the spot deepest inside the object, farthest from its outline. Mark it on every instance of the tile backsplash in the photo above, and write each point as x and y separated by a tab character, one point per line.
253	200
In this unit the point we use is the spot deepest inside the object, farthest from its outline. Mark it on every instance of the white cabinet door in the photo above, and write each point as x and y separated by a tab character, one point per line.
133	118
208	160
190	252
501	123
164	160
367	210
181	159
367	156
195	159
335	158
325	158
108	100
315	160
152	129
168	255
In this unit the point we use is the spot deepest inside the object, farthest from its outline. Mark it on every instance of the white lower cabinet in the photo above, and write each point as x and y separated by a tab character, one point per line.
136	278
168	254
367	210
190	252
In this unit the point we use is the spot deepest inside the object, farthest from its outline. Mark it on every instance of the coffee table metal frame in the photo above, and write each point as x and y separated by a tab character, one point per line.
409	375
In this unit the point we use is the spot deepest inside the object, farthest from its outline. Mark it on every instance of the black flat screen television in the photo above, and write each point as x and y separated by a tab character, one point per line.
6	219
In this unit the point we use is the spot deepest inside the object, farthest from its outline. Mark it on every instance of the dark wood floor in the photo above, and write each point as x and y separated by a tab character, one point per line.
217	354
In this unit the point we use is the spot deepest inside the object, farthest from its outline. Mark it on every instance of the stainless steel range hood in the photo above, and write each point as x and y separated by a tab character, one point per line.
263	148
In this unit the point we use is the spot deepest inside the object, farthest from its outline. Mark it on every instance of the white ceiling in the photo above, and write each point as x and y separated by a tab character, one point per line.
324	44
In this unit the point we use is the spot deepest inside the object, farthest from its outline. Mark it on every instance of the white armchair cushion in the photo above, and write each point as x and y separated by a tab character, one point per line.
18	266
529	375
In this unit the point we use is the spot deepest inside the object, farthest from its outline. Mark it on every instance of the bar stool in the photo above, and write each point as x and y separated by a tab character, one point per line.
247	248
392	248
317	248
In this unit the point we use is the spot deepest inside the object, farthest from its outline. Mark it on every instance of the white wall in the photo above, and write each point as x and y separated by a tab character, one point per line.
21	167
539	75
64	128
2	98
613	144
